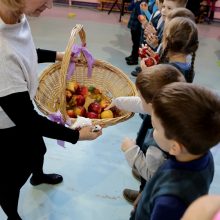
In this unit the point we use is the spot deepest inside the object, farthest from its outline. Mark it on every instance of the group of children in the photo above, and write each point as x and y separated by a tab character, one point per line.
180	124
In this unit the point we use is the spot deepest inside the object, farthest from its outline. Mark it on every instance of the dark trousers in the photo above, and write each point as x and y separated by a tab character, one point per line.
146	124
10	190
135	37
21	156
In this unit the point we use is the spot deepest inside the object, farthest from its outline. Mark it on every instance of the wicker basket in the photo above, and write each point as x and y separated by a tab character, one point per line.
50	96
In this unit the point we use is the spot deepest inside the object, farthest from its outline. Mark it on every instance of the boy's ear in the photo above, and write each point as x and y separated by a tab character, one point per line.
176	148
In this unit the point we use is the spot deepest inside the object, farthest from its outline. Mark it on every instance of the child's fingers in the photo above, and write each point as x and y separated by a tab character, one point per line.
110	106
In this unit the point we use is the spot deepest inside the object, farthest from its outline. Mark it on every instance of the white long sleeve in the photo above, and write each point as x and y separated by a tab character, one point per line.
129	103
147	164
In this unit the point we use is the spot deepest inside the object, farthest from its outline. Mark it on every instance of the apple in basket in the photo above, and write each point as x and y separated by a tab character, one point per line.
78	100
71	113
104	103
82	90
107	114
79	110
72	86
95	107
92	115
68	95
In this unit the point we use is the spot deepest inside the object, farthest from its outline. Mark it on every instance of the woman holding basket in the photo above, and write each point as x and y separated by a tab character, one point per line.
21	128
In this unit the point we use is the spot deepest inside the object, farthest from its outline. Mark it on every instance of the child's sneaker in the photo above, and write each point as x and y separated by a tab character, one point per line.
130	195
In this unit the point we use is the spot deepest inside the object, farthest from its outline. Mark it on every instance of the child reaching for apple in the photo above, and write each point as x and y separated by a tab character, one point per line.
148	84
145	157
183	130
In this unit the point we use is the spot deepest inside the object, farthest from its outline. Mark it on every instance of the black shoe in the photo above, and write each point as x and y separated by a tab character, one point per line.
138	69
46	178
134	73
128	58
136	175
132	62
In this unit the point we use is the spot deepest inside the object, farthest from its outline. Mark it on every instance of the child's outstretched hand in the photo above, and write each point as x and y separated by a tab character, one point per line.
127	143
110	106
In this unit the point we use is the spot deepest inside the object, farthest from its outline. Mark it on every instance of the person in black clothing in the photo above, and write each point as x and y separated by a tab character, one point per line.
21	128
135	27
194	6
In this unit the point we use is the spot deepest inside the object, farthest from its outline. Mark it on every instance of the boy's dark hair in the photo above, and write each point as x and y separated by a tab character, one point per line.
181	12
182	37
189	114
153	78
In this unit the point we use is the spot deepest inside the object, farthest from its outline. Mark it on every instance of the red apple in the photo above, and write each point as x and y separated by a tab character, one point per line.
79	110
82	90
78	100
150	61
95	107
141	18
68	95
71	113
92	115
116	111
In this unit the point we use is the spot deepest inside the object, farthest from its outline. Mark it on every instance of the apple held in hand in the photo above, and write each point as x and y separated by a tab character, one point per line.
79	110
150	61
141	18
95	107
92	115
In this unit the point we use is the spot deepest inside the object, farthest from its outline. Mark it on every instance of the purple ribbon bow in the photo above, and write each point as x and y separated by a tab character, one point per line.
57	117
76	50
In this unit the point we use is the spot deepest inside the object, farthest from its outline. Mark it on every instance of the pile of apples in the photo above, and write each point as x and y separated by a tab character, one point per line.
88	102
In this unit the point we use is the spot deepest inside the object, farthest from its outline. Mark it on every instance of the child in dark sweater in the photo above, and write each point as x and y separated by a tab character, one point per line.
186	122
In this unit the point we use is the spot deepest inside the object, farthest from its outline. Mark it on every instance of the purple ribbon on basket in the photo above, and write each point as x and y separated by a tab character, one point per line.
76	50
57	117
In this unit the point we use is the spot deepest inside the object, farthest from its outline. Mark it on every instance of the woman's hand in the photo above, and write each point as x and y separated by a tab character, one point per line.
127	143
86	133
60	55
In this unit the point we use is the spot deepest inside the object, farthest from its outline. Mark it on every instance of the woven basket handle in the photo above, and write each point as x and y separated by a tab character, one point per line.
78	29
